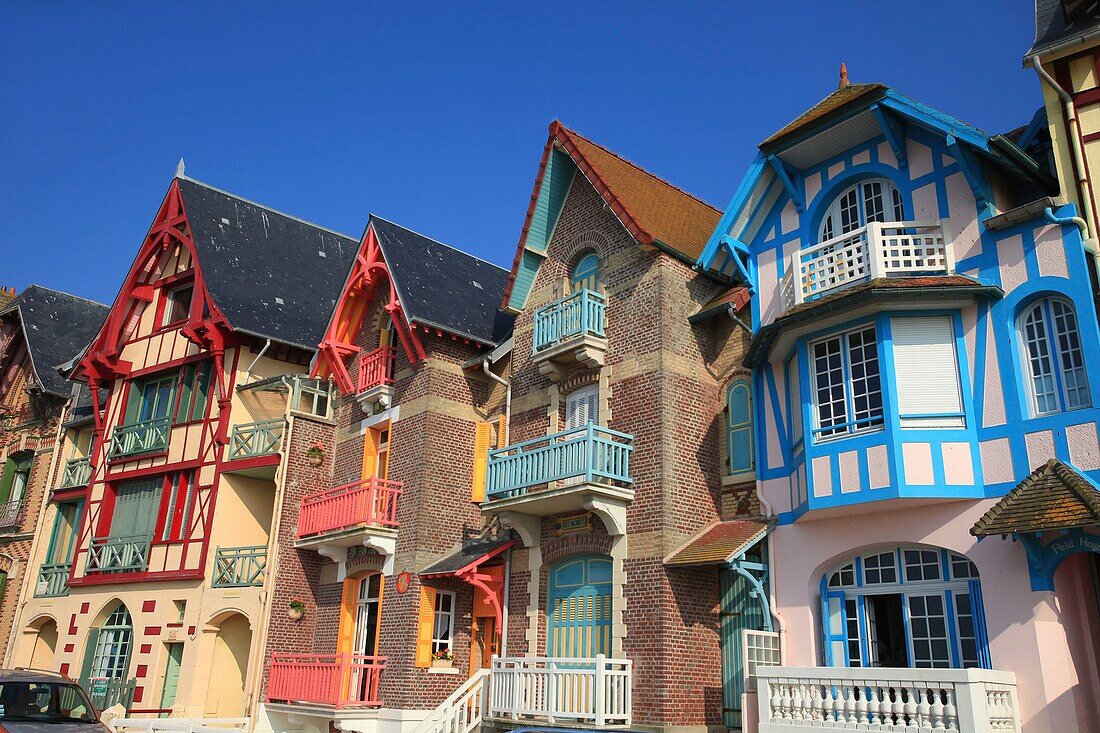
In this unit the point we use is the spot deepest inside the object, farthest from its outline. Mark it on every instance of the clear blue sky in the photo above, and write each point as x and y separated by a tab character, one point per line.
433	116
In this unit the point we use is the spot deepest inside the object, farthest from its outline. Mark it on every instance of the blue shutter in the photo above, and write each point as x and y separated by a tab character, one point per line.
980	632
834	627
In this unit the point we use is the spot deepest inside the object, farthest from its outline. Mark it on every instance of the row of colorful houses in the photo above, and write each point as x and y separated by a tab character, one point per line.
828	457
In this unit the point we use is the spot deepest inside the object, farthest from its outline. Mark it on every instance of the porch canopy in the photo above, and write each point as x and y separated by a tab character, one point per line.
1056	500
467	563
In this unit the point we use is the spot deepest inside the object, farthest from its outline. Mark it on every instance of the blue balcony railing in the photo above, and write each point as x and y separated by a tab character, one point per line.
253	439
77	472
588	454
578	314
149	436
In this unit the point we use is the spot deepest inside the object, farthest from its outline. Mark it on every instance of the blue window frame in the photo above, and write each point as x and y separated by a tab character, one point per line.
1057	379
904	606
739	448
847	387
586	273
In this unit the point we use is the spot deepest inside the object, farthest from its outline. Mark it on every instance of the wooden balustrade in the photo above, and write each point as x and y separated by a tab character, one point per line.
376	368
77	473
336	680
595	690
574	315
372	502
148	436
261	438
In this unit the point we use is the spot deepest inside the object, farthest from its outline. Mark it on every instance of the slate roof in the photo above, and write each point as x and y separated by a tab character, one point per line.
1053	27
252	257
1054	496
443	287
842	96
465	556
719	543
56	326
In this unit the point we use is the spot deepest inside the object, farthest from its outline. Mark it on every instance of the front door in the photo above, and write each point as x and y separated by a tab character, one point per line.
579	616
171	677
738	611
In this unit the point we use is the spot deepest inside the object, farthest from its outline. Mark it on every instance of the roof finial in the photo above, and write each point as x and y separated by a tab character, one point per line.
843	76
179	169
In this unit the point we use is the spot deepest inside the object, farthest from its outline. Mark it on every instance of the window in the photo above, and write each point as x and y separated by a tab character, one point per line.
922	565
181	394
739	458
17	473
1054	358
874	200
110	647
194	390
382	462
879	569
586	273
847	388
37	703
929	394
582	406
444	627
60	550
177	305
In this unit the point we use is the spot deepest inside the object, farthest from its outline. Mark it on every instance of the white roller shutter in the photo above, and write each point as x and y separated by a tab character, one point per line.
927	372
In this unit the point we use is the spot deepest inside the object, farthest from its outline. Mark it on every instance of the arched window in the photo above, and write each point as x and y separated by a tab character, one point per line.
1055	363
109	647
873	200
586	273
904	607
739	456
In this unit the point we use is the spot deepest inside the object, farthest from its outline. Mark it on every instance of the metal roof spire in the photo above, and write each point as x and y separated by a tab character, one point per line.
179	168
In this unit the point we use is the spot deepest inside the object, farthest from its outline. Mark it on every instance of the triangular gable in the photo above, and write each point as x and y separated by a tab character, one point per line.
1053	497
652	210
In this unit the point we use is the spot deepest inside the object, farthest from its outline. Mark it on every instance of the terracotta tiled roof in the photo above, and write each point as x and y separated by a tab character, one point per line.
1054	496
731	300
843	95
651	208
718	543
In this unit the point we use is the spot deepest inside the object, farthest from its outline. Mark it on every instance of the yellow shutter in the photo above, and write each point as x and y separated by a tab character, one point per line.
502	422
370	454
483	438
424	627
345	639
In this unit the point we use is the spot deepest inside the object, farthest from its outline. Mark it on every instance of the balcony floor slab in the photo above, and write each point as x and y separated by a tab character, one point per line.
555	361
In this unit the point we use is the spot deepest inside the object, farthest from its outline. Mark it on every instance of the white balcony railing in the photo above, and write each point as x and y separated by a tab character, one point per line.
594	690
879	249
794	699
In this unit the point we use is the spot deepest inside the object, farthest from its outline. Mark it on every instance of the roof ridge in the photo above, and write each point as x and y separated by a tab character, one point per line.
631	163
444	244
63	292
265	207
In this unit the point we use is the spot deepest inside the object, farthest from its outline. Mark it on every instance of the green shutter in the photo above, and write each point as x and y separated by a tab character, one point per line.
133	402
183	412
202	389
89	655
7	479
22	465
135	512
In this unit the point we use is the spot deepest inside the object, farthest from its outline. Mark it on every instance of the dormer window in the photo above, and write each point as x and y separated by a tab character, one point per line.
873	200
177	305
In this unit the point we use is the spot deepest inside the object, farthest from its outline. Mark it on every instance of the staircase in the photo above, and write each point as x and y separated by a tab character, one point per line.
462	711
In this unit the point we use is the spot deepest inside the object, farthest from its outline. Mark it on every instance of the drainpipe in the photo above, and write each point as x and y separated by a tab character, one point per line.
1075	149
248	372
1078	221
777	618
507	395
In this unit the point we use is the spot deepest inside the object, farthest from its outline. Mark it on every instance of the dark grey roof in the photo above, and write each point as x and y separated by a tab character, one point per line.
441	286
1052	27
56	326
462	557
272	275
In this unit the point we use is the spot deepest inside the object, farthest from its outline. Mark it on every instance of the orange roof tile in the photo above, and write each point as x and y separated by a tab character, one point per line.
843	95
1054	496
718	543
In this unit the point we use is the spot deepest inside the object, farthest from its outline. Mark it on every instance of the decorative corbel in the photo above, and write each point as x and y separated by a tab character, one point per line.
612	513
785	177
895	134
527	526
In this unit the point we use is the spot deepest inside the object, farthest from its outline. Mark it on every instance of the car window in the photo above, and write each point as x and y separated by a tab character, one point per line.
44	702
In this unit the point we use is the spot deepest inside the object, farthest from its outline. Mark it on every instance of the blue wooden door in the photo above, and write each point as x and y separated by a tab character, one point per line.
579	616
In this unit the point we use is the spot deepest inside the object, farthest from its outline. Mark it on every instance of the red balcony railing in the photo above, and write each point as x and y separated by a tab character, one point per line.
338	680
372	502
376	367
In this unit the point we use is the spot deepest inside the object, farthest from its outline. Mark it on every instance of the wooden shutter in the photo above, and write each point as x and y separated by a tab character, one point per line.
425	623
502	430
345	639
89	656
483	439
370	453
187	394
927	371
7	479
133	402
202	391
582	407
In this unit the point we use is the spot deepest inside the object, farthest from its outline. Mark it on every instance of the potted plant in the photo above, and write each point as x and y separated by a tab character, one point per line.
315	454
297	609
443	658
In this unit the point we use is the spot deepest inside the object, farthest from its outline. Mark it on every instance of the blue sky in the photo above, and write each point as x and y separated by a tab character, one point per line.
432	115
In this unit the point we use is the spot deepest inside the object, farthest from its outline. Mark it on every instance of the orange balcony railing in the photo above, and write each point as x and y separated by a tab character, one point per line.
337	680
372	502
376	368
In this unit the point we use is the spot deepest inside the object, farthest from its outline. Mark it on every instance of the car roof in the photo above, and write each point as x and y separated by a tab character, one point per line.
26	674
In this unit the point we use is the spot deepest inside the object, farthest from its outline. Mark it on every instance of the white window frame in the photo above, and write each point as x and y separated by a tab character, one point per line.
832	224
170	301
1047	334
874	420
438	642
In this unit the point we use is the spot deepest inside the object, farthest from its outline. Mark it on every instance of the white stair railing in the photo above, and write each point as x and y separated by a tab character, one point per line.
462	711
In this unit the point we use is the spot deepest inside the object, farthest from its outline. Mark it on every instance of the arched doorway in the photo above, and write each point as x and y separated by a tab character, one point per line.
106	669
228	668
44	646
579	613
906	606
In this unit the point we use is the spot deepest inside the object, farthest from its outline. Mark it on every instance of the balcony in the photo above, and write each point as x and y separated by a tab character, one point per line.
11	514
360	513
53	580
77	472
375	387
254	448
240	567
877	250
586	468
148	436
795	699
594	691
118	554
332	681
570	331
